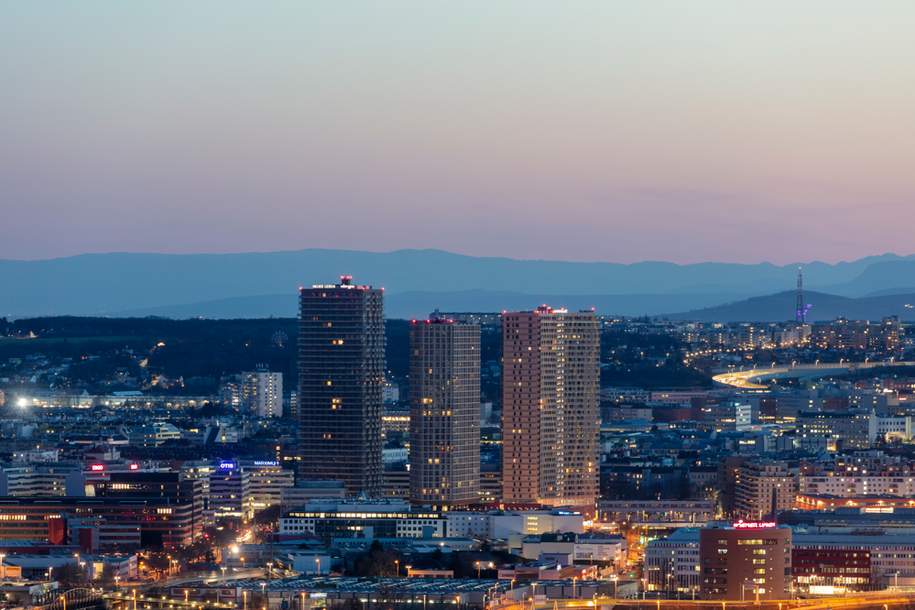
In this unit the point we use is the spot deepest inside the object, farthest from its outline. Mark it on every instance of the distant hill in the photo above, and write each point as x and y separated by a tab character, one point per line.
779	307
879	278
235	284
419	304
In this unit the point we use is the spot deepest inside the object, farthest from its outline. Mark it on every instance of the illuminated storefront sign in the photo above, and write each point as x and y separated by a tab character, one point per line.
752	525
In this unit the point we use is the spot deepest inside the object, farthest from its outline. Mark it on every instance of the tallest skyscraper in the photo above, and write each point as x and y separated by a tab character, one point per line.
341	374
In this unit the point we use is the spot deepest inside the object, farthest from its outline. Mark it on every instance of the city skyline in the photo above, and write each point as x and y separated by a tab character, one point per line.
521	305
672	132
480	456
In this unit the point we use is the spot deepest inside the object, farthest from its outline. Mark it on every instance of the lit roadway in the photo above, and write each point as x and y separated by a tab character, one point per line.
209	578
878	600
751	379
123	600
129	598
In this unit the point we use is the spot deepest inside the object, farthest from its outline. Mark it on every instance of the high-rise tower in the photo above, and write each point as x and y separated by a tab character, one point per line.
444	412
801	308
550	407
341	374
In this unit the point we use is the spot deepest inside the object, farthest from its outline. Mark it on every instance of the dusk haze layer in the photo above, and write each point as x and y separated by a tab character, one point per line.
593	131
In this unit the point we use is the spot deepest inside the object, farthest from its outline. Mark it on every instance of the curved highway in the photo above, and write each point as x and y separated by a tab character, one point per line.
753	379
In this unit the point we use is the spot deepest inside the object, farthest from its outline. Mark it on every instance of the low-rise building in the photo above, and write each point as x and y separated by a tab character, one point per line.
305	491
745	560
764	488
672	563
682	513
329	519
501	524
241	488
574	548
889	555
53	479
98	523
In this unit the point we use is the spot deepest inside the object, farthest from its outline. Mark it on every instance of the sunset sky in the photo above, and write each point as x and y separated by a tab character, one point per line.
604	130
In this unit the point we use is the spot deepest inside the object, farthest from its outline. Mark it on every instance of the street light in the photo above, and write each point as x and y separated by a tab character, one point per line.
744	586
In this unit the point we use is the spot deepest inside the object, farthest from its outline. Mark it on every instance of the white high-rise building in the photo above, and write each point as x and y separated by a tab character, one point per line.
262	392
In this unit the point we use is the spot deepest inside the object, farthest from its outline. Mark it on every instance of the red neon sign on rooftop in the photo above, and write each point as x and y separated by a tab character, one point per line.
752	525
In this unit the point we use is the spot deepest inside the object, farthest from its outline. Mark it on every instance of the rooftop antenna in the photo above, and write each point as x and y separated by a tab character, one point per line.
801	308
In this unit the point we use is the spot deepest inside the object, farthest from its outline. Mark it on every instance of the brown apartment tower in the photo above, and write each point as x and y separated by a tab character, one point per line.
444	412
341	374
550	408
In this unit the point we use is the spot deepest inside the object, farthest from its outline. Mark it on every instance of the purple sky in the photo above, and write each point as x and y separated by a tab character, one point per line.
707	130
